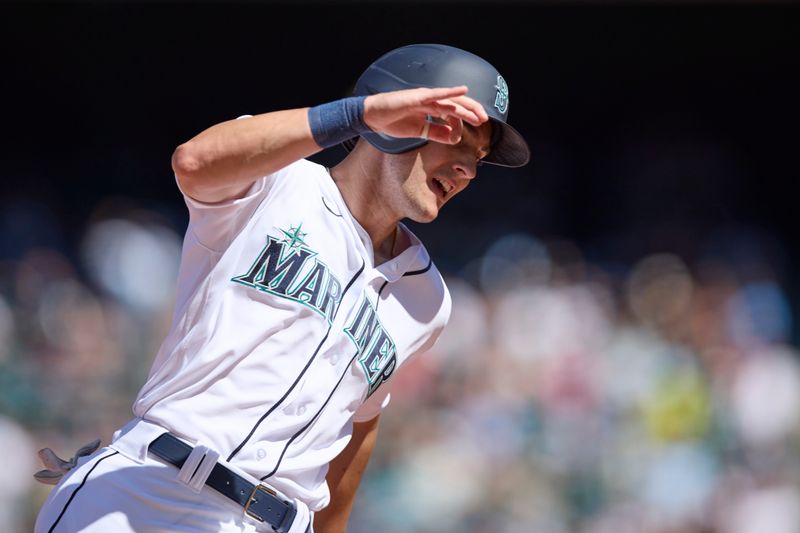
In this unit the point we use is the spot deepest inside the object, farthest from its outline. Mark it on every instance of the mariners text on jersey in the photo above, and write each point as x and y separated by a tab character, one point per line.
284	268
376	349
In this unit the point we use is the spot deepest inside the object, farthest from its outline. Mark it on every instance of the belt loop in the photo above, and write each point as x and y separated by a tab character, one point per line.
207	464
191	467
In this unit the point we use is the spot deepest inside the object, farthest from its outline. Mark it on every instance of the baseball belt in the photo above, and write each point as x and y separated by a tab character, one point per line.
259	501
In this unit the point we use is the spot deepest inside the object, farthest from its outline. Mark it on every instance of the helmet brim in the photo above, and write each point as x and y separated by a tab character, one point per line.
510	149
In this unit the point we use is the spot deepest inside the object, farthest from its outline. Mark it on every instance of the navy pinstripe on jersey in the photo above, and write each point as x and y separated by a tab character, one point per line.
302	372
339	381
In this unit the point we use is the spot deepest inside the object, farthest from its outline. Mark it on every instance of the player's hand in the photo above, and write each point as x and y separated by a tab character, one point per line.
57	467
436	114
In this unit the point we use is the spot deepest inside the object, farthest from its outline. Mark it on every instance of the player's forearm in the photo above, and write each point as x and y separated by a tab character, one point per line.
334	518
223	161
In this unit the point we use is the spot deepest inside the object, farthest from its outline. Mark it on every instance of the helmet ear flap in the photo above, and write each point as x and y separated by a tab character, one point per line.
386	143
393	145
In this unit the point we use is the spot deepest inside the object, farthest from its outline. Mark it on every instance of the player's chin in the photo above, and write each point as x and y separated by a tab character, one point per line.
426	213
427	219
424	206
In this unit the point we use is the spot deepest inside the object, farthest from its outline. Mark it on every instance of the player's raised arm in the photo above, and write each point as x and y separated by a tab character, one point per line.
223	161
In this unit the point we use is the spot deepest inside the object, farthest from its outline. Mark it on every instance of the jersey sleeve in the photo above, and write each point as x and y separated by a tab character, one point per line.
380	399
375	404
214	225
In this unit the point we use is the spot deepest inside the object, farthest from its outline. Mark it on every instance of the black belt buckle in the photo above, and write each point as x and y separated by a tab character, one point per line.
288	516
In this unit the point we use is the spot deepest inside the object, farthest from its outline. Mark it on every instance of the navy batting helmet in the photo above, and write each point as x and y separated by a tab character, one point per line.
438	65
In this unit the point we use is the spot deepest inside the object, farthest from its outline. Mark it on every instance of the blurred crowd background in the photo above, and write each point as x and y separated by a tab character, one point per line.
564	396
623	351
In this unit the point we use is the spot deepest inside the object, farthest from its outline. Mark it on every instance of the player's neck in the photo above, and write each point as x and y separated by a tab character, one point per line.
365	202
388	248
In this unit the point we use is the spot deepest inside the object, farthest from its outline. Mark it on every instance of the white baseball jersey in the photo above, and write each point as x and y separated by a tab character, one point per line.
285	331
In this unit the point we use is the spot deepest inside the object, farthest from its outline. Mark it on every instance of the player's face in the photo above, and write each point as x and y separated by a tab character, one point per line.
431	176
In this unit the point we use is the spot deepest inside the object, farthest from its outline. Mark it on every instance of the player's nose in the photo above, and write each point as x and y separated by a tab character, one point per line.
465	167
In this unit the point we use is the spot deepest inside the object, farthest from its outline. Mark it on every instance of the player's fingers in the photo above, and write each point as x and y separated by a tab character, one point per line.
383	111
456	97
445	111
440	133
439	93
474	114
456	129
466	106
447	131
472	105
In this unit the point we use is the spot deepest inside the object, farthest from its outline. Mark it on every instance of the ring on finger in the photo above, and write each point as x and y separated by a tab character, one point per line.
425	128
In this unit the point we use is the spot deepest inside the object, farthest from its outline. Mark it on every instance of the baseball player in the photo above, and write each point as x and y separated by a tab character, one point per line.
299	296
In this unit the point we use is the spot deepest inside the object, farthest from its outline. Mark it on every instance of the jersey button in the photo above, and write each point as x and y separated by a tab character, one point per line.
261	453
301	409
334	359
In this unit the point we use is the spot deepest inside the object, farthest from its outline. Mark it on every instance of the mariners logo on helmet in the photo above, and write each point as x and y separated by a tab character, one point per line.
501	99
